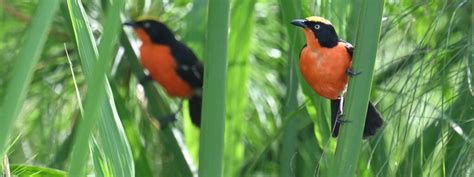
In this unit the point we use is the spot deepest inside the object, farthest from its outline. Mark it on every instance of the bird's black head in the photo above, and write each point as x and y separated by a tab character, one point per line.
322	29
156	31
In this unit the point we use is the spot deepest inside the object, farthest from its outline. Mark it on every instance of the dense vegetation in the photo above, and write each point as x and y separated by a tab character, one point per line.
53	97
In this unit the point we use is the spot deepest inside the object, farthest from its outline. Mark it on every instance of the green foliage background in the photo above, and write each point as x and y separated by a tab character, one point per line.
275	126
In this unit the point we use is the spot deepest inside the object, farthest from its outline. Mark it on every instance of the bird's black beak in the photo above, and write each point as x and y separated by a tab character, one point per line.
131	24
299	22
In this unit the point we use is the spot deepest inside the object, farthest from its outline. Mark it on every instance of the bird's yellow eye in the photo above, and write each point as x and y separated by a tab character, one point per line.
317	26
146	25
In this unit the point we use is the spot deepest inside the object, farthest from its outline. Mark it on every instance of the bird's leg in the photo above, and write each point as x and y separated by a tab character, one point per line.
340	113
351	73
164	121
145	79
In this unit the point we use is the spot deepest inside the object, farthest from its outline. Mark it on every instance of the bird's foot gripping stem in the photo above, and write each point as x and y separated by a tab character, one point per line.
145	79
351	73
340	113
340	119
166	120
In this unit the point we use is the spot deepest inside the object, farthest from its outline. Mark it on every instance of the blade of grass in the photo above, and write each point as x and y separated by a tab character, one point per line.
116	149
24	67
459	150
290	10
28	170
240	40
211	144
112	138
350	136
131	128
5	167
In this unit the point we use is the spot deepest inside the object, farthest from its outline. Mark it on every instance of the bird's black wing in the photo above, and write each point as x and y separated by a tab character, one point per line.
188	66
349	47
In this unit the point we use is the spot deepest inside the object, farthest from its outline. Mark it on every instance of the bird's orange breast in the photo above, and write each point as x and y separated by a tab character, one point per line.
158	60
325	69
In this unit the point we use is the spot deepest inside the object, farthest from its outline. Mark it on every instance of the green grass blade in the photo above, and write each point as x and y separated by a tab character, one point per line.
350	136
240	46
111	137
23	70
28	170
290	10
98	90
142	164
459	146
211	145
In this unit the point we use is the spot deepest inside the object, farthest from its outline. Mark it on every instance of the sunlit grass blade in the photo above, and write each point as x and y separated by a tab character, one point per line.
111	137
120	161
355	110
211	144
29	55
28	170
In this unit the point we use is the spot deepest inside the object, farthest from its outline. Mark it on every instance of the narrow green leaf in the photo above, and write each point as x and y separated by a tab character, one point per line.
211	145
290	10
350	136
240	45
116	151
28	170
24	67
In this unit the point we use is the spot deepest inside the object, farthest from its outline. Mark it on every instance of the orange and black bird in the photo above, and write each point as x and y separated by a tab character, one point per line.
171	63
325	63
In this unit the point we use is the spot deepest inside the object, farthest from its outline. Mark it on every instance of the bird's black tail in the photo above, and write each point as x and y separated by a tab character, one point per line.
195	105
373	120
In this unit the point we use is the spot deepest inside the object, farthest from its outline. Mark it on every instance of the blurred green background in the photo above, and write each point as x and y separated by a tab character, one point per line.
423	86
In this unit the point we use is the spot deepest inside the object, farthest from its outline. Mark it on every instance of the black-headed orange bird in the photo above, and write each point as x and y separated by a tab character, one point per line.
171	63
325	63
